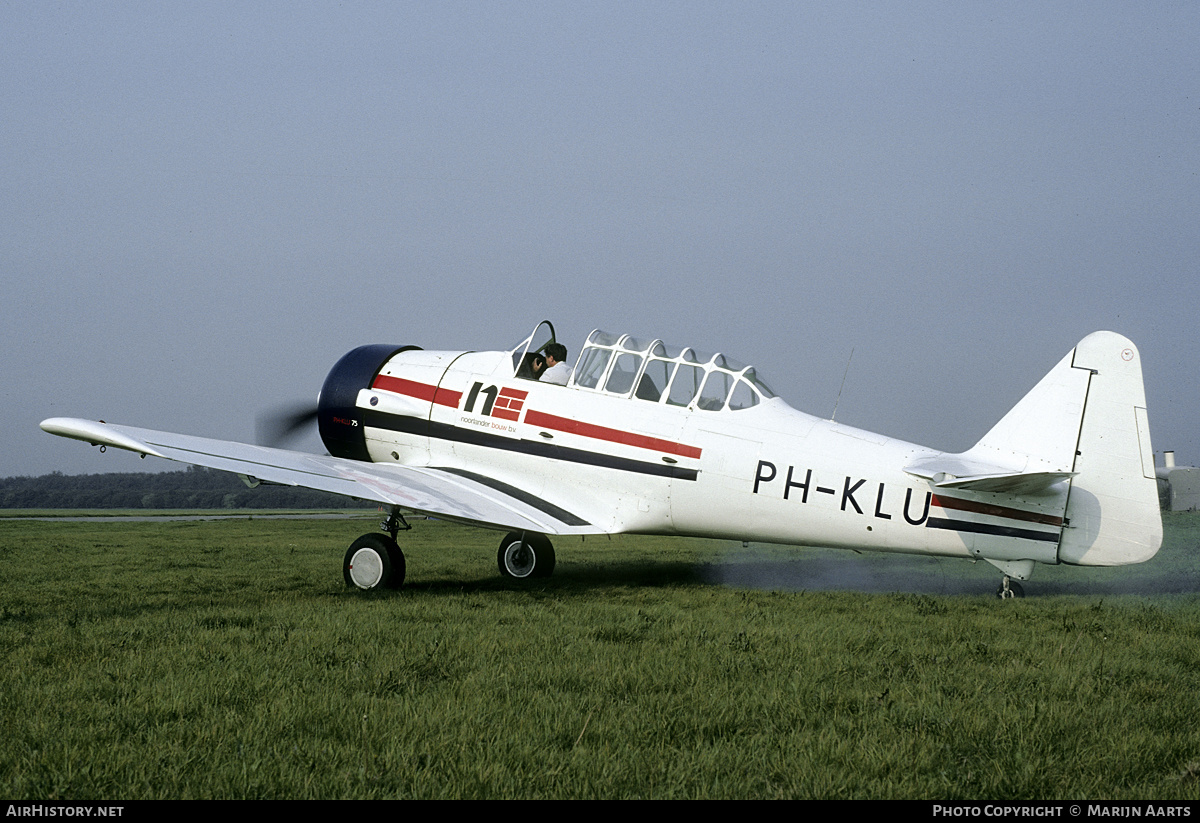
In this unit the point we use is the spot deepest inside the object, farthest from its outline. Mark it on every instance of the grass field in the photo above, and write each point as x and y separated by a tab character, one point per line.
226	659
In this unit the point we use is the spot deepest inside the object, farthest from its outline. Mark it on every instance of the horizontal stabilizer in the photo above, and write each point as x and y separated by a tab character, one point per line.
958	471
1027	483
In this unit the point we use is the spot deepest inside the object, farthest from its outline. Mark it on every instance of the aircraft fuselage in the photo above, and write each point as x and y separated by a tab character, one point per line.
621	464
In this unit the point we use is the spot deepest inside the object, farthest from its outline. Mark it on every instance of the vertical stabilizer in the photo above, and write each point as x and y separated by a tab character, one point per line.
1112	515
1039	434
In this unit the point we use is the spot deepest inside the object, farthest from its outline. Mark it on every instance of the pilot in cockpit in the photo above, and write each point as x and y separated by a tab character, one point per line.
557	372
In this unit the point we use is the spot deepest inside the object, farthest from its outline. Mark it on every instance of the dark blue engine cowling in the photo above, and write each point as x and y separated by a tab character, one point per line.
338	418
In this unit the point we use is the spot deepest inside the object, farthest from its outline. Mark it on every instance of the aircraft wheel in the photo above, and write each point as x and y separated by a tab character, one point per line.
524	555
374	561
1009	589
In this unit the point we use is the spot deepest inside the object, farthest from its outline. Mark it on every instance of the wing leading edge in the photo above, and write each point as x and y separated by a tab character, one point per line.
447	493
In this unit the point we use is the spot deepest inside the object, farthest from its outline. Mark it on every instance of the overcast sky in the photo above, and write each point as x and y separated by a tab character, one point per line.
203	206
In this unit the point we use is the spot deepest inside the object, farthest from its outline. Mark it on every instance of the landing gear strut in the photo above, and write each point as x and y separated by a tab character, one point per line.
394	523
1009	589
374	561
525	555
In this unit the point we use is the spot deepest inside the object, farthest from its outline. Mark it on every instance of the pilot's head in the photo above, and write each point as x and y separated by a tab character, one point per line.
555	353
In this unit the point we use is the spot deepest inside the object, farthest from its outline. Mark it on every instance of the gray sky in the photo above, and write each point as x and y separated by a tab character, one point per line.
204	205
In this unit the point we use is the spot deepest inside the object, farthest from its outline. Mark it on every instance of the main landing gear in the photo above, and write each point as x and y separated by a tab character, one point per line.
374	561
524	555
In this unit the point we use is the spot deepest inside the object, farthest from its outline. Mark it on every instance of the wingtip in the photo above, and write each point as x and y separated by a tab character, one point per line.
96	432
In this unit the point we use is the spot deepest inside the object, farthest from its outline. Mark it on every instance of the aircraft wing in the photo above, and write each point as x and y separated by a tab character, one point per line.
452	494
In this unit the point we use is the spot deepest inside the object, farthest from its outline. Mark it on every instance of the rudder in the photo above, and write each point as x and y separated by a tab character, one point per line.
1112	516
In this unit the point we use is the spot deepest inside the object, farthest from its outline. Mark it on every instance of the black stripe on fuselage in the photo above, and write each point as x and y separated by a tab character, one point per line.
987	528
559	514
457	434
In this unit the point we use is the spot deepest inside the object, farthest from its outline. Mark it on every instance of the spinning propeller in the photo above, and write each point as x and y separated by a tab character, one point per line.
284	424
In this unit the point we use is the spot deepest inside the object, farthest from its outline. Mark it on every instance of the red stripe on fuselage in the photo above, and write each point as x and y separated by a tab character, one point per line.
421	391
563	424
995	511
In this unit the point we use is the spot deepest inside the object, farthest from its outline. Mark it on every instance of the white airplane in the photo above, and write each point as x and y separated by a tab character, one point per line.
648	438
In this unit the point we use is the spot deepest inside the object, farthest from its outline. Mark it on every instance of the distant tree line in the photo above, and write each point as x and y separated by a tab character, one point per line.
191	488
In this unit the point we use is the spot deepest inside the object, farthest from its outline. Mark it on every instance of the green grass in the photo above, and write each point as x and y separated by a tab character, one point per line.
226	659
20	514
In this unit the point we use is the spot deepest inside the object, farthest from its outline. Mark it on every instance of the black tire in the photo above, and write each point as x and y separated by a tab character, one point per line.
1014	591
374	561
525	555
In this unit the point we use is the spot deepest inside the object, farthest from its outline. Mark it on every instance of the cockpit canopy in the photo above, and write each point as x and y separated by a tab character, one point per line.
653	371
